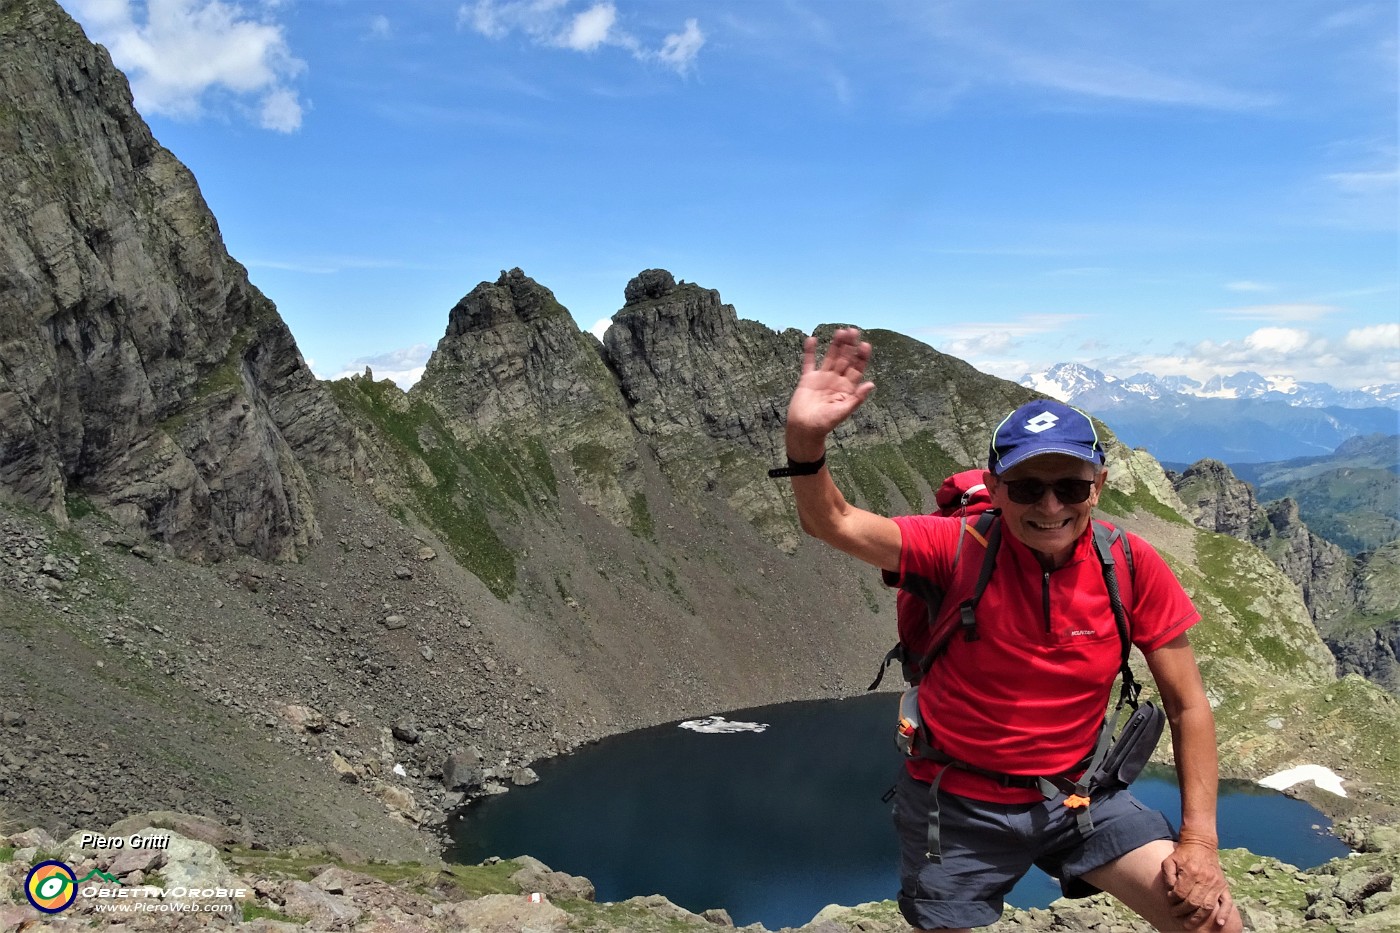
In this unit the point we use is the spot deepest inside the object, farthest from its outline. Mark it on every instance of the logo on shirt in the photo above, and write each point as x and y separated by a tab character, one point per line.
1082	631
1042	422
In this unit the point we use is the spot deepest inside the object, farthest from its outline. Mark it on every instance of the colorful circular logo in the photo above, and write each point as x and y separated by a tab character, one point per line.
51	887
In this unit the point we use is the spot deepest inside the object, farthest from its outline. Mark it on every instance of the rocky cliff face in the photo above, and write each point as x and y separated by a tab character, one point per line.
514	365
139	369
1334	587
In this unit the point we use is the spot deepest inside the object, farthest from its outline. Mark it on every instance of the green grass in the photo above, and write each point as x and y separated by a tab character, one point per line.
929	460
452	483
1231	575
869	595
1116	502
7	854
480	880
641	523
593	460
78	506
590	916
253	912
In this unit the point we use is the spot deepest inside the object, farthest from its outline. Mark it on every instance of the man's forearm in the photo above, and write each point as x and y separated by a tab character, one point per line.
1198	773
825	514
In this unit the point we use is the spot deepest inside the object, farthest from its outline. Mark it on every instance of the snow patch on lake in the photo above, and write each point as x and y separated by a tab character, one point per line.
1325	778
715	725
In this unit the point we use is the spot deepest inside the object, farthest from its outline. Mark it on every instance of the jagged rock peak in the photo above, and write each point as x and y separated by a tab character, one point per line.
514	297
649	285
1216	499
139	369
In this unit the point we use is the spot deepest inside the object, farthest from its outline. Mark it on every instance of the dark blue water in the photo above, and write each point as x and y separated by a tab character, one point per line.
773	826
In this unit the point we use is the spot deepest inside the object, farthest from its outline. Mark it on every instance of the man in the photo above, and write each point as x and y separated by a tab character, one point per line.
1032	700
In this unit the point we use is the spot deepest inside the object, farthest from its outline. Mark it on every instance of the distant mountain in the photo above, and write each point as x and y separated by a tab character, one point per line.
1069	381
1244	418
1351	497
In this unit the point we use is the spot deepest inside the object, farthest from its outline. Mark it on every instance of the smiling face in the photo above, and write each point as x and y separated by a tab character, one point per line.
1048	526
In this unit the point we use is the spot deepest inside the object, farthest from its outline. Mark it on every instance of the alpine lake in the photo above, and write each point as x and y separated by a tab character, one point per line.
774	823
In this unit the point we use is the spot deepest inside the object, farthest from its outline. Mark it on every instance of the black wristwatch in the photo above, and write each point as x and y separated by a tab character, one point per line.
797	469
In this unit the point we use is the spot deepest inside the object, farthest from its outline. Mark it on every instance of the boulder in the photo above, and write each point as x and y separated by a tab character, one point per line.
462	769
535	875
507	913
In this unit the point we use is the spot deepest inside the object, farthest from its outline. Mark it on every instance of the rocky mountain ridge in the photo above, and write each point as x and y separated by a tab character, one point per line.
1350	497
1354	602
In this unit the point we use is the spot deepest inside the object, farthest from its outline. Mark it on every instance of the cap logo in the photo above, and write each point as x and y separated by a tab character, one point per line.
1042	422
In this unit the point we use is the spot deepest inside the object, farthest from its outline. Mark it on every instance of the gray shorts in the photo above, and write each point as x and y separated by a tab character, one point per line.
987	847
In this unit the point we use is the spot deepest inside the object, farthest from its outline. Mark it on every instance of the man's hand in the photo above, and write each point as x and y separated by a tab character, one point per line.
827	392
1196	886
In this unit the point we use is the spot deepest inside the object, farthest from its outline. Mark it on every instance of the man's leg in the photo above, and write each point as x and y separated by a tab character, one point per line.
982	857
1136	879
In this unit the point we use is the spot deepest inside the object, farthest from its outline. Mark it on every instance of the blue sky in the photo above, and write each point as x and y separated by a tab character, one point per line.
1178	187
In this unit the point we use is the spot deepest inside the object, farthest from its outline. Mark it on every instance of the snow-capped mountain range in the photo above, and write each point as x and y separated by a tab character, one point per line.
1091	388
1244	418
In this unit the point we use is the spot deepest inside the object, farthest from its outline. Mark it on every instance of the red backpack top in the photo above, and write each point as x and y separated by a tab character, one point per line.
919	601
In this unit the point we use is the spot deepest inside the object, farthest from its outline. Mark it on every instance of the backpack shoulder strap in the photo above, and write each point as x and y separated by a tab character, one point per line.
988	531
1105	536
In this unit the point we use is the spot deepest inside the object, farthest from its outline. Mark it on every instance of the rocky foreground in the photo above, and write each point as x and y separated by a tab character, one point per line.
205	874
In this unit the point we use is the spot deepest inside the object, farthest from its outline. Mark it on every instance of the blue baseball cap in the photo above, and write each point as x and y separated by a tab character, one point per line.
1044	426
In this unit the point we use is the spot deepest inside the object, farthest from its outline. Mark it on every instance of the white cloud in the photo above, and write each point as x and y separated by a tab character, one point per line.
1124	81
1044	46
1245	285
989	345
600	327
380	27
280	111
680	49
549	23
176	53
1365	339
1295	311
497	19
1366	183
1362	356
591	27
405	365
1280	341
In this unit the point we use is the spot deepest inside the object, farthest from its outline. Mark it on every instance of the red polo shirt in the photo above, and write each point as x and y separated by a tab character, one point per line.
1027	696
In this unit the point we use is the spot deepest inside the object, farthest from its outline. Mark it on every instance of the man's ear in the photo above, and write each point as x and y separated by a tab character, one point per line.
989	479
1099	481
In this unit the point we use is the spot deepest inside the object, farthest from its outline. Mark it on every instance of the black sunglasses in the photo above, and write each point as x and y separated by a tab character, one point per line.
1031	491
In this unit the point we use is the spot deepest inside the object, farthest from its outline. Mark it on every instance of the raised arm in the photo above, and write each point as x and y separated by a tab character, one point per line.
825	396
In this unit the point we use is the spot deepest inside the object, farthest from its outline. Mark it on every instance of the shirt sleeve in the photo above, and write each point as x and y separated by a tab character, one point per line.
927	546
1161	609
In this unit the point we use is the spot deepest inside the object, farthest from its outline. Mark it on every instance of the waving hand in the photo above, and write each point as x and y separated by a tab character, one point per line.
828	391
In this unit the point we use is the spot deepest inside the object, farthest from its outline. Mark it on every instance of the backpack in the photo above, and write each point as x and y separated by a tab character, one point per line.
920	601
924	633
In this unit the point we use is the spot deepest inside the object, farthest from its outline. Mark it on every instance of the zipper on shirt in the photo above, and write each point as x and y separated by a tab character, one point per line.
1045	597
